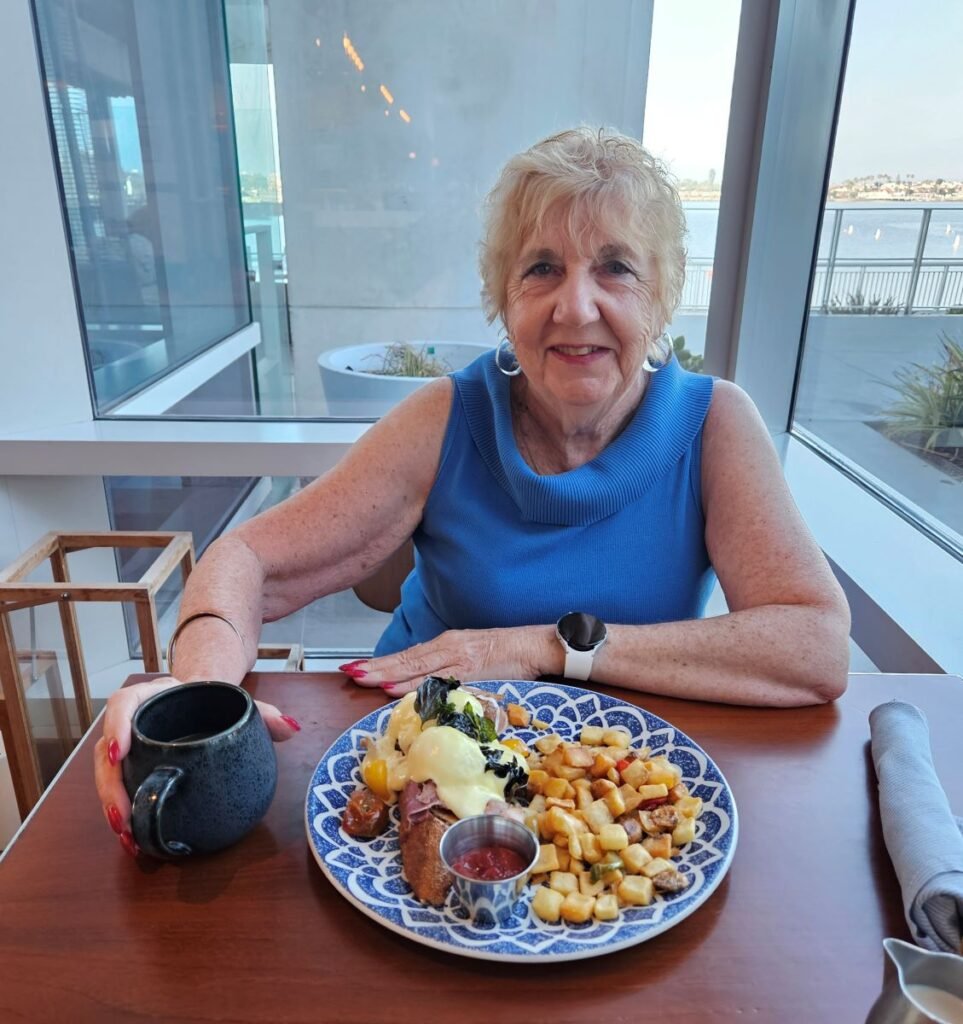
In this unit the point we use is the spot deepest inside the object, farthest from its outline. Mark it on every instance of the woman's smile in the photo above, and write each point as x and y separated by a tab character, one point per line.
579	355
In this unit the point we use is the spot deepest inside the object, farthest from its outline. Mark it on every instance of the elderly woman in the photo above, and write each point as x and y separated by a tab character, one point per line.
577	467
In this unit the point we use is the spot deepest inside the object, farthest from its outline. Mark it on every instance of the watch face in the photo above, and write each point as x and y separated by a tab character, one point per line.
581	631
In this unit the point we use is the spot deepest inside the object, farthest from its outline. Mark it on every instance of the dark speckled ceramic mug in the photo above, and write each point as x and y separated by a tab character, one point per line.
201	771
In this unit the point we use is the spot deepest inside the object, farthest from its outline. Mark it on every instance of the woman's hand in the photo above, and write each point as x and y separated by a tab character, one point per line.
520	652
114	745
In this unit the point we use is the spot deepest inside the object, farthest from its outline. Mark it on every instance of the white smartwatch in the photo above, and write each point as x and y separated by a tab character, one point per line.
581	636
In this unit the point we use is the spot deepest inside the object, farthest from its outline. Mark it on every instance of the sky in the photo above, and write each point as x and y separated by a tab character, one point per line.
902	110
691	62
902	99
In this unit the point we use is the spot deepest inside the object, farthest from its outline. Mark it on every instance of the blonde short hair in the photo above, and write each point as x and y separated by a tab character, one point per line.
611	177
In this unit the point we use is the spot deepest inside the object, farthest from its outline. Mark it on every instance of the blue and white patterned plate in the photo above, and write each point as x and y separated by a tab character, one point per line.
367	872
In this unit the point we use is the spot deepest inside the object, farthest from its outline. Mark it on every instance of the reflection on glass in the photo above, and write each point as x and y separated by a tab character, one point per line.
881	382
140	108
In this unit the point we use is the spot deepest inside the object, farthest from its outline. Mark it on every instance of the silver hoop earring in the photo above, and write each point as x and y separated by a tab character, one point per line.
513	367
665	350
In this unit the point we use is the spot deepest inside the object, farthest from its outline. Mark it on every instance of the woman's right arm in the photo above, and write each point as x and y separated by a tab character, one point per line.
331	535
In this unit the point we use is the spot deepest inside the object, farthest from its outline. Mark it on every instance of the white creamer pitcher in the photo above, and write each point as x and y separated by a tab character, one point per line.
928	987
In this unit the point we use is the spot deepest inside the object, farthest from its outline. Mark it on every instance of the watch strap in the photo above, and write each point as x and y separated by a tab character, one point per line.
578	664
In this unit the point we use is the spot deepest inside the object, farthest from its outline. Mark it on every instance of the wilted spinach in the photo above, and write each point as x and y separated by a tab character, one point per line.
432	695
468	721
515	775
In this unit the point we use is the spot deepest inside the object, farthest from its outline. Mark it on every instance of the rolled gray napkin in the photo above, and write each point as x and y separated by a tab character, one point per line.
924	839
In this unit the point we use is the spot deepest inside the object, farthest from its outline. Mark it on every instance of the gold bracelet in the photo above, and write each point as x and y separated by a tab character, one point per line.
189	619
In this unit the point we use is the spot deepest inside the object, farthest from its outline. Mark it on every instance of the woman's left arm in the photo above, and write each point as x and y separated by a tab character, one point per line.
784	641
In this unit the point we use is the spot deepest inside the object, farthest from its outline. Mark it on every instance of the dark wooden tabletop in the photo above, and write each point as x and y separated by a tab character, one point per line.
258	934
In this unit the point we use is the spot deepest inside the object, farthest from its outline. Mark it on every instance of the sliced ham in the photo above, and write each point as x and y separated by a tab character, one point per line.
491	705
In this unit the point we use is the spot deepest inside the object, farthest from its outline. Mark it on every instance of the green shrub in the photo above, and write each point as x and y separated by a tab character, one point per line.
930	397
856	302
402	359
687	360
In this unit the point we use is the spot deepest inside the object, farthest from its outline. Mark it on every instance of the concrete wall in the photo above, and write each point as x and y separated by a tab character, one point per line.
381	245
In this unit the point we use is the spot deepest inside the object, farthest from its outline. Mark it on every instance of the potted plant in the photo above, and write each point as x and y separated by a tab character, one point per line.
367	380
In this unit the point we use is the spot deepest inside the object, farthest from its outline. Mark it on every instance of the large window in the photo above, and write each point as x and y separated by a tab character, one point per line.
686	119
366	137
142	122
881	381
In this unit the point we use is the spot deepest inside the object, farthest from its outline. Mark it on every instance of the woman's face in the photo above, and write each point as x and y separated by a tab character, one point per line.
581	317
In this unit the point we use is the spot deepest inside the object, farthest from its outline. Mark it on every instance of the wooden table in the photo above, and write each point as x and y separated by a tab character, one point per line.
258	934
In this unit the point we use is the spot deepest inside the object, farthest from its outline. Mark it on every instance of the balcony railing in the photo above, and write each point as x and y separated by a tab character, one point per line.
916	284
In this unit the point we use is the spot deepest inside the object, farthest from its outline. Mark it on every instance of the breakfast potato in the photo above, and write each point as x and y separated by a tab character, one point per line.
576	908
583	793
630	798
607	907
656	866
563	821
589	888
591	735
558	788
537	778
660	769
547	744
613	837
684	832
518	716
690	806
614	830
596	815
591	850
600	787
635	857
563	882
635	773
660	846
601	766
636	890
577	756
547	904
547	859
614	801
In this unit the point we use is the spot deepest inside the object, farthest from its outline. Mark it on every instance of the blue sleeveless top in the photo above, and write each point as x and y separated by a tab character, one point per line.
622	537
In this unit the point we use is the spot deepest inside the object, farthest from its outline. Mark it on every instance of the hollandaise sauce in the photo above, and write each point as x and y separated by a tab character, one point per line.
457	766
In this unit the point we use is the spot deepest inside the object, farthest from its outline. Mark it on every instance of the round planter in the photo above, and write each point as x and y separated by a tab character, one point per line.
351	389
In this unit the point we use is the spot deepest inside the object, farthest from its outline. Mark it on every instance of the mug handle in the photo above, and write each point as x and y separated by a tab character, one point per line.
146	810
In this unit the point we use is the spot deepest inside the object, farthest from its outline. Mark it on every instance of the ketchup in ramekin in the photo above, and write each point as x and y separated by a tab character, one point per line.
489	857
490	863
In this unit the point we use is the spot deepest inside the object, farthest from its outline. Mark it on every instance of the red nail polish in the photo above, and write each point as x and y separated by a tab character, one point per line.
293	722
387	686
127	842
114	820
352	672
348	666
113	752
